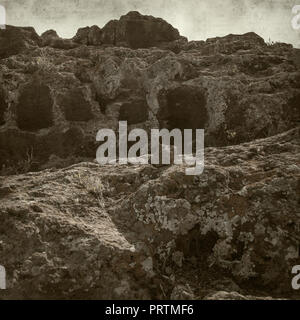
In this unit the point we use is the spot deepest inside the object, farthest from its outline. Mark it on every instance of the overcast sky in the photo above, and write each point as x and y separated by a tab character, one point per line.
195	19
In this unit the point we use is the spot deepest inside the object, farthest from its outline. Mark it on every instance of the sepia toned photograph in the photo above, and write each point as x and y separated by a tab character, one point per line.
150	150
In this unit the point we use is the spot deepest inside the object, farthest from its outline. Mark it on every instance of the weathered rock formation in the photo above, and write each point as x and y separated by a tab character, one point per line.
152	232
132	30
50	38
237	87
14	40
86	231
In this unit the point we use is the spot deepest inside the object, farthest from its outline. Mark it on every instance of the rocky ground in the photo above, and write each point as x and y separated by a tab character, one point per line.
88	231
70	228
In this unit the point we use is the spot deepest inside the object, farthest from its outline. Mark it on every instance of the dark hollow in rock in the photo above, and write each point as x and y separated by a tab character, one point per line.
34	111
76	107
73	139
196	245
292	111
183	108
103	102
3	108
134	112
235	120
235	112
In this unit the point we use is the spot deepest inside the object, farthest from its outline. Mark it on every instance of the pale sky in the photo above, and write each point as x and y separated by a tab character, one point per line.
195	19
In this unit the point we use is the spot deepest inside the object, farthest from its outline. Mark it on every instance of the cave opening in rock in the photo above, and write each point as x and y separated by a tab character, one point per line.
183	108
3	108
76	107
196	244
34	110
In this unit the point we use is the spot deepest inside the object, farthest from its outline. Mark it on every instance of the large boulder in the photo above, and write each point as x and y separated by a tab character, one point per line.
50	38
90	36
133	30
139	31
14	40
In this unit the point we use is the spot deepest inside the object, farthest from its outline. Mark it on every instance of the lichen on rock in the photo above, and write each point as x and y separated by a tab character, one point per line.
72	229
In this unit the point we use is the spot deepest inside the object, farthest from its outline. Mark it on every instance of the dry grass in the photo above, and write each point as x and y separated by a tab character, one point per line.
93	185
19	167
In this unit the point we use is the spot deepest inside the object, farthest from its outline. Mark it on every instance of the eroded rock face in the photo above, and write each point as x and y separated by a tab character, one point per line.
139	31
50	38
90	36
183	107
35	109
3	108
132	30
152	232
140	232
134	111
228	44
237	88
14	40
75	106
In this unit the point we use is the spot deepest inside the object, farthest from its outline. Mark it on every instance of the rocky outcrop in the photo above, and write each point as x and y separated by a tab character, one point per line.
35	108
3	108
50	38
14	40
140	232
139	31
90	36
132	30
228	44
237	88
86	231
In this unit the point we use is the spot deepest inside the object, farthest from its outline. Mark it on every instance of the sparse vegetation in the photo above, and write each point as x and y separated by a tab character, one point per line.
93	185
19	167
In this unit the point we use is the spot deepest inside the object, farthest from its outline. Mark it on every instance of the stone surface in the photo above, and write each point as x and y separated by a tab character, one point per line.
90	36
15	40
3	108
35	108
134	111
139	31
223	295
72	229
235	87
50	38
152	232
131	30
